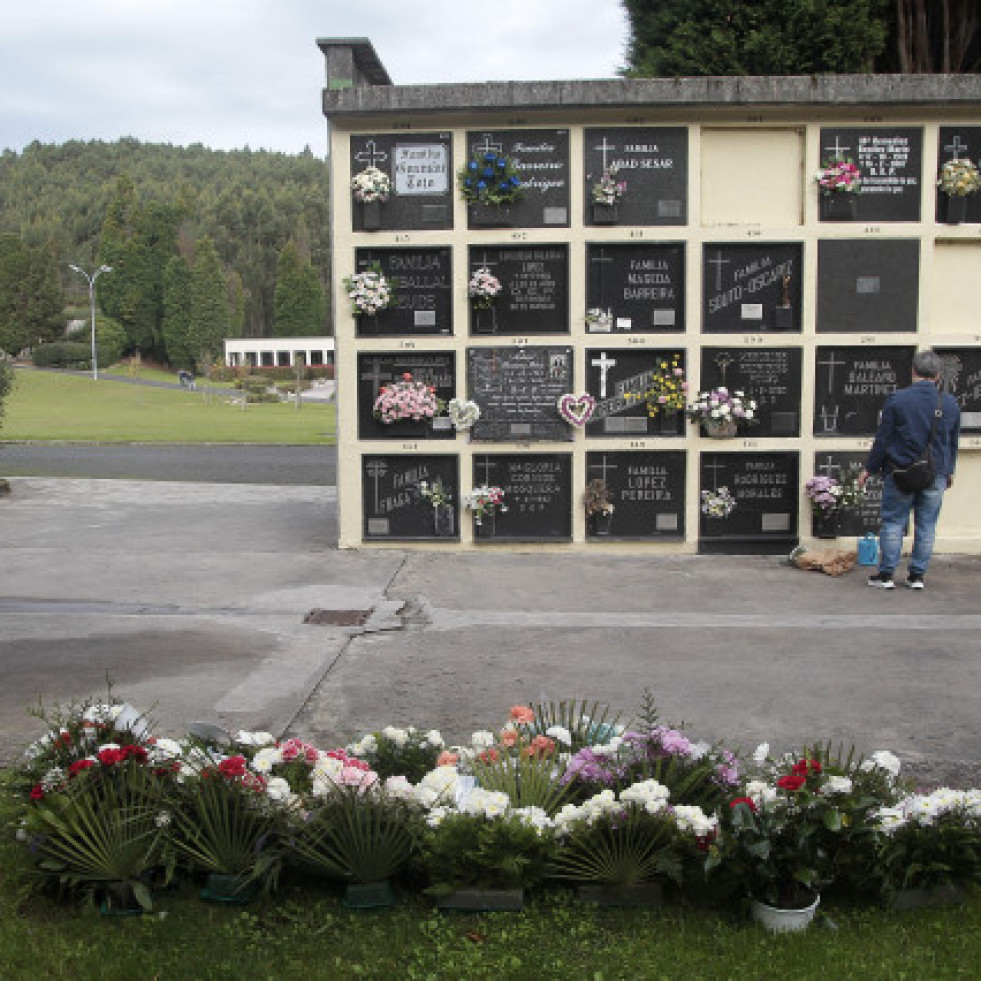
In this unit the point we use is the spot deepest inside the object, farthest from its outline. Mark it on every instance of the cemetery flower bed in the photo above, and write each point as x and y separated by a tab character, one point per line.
560	793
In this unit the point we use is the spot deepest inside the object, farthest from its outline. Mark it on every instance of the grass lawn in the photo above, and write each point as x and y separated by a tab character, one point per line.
52	406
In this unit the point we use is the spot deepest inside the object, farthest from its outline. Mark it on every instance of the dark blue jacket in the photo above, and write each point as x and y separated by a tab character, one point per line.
905	425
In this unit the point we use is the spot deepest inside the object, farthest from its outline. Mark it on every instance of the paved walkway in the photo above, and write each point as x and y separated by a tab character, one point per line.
192	598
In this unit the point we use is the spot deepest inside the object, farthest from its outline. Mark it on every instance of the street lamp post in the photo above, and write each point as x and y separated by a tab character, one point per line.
91	281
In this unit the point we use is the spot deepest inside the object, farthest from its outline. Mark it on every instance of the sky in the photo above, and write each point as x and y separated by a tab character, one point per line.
236	73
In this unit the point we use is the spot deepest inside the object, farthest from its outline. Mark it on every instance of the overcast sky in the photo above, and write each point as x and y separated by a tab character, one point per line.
231	73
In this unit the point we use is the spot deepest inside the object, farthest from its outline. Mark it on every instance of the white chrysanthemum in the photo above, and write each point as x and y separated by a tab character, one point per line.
485	803
278	789
434	738
245	738
266	759
53	778
164	749
761	753
837	785
482	740
647	793
889	818
761	792
398	787
437	786
607	750
366	746
560	734
693	819
534	817
398	736
435	817
884	760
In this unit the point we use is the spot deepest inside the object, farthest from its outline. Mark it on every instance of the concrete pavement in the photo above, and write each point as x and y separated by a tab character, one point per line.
192	598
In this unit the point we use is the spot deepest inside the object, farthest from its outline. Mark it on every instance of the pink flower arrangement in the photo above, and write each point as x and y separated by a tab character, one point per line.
406	400
839	176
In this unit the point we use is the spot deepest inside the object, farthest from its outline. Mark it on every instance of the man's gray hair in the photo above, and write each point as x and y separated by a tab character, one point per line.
926	364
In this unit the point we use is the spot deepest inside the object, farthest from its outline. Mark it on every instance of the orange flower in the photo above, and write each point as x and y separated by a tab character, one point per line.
522	714
489	756
509	737
541	746
446	758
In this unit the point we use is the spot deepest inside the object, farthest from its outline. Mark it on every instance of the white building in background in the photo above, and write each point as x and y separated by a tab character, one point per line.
270	352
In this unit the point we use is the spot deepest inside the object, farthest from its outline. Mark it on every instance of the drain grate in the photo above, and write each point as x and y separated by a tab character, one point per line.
337	618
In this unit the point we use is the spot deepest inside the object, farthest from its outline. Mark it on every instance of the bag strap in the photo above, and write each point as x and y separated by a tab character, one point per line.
937	416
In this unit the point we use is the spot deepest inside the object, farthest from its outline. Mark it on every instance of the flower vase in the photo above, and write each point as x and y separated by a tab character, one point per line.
484	320
778	920
783	318
120	899
368	895
669	422
220	887
604	214
367	324
824	524
839	207
719	428
955	209
484	528
443	515
489	215
480	900
371	216
600	523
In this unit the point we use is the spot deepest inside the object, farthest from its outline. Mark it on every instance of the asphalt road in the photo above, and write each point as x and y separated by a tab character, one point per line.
215	463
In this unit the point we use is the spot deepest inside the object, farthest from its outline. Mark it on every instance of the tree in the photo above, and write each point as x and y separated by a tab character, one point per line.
176	324
928	36
209	320
6	383
31	298
670	38
299	297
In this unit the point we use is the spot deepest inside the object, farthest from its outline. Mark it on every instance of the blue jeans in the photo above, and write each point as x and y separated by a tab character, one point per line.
896	506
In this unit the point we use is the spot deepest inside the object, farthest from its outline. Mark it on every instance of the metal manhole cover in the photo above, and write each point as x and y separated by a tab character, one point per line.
337	618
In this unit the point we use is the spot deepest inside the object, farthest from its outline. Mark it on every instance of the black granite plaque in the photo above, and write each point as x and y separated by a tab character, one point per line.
647	490
846	467
616	378
959	143
534	296
771	375
960	374
541	159
868	287
419	167
653	163
537	494
380	368
422	283
637	289
392	504
766	490
852	384
750	288
890	160
517	389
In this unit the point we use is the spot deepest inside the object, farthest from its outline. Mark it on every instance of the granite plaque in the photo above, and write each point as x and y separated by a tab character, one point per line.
852	384
751	288
517	389
647	491
541	159
393	505
846	467
419	167
617	379
637	289
421	280
868	287
960	375
766	491
534	295
381	368
537	494
652	161
959	143
770	375
890	160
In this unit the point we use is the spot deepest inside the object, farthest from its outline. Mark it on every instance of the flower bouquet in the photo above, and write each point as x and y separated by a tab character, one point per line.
369	291
490	178
597	499
483	288
599	321
828	494
485	501
406	400
720	411
718	503
959	178
666	387
463	413
371	185
608	190
838	176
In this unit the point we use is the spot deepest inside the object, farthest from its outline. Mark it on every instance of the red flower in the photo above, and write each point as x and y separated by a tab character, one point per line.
791	782
815	766
234	766
800	768
109	757
134	752
37	792
748	801
64	738
78	766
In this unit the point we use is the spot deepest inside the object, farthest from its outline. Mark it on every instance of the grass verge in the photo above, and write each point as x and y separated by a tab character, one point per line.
53	406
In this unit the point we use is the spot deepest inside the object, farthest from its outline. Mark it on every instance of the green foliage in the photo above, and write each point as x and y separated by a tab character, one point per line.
300	307
529	781
355	835
176	323
490	853
31	298
6	382
672	38
209	316
71	354
586	722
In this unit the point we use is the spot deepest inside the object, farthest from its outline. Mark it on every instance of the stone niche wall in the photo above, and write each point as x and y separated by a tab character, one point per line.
719	257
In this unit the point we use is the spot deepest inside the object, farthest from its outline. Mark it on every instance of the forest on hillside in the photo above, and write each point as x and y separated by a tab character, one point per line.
203	244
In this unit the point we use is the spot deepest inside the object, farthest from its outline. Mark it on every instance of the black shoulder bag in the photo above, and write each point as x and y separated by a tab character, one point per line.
921	473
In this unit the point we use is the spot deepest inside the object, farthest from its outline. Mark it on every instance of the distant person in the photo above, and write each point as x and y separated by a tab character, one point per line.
904	429
186	379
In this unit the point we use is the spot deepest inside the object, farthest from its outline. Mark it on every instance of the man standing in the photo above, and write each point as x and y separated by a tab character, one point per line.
903	432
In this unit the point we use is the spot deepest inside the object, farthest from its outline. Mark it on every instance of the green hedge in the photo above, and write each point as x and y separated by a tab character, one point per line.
70	354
